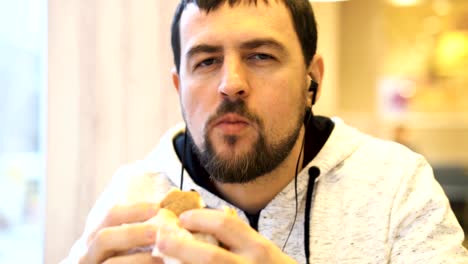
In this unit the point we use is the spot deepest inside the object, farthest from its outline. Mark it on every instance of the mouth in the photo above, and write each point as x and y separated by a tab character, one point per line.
231	123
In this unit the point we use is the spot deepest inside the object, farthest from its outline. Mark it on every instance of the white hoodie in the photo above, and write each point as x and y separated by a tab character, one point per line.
374	202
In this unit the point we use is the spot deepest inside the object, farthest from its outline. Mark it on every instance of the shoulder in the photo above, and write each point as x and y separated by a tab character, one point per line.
150	178
372	153
138	183
387	154
361	158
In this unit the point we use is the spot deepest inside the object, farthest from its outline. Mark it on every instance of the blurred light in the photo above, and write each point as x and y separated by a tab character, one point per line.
405	2
452	46
442	7
452	52
432	25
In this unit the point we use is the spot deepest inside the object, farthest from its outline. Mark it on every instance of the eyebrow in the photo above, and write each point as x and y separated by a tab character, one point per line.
202	48
251	44
257	43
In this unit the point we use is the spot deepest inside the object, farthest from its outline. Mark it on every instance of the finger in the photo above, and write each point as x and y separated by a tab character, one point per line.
140	258
126	214
194	252
229	230
164	216
115	240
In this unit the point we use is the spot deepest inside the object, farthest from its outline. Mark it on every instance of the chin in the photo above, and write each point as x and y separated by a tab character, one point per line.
227	152
229	146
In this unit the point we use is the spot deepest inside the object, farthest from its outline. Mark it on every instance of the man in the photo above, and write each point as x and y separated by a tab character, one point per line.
307	189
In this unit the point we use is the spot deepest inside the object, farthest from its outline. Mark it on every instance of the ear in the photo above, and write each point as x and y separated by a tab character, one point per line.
316	71
175	79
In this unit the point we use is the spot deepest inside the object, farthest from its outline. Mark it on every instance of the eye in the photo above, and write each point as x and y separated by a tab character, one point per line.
207	63
261	56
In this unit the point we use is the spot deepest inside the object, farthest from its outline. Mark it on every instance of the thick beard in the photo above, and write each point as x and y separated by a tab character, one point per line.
262	158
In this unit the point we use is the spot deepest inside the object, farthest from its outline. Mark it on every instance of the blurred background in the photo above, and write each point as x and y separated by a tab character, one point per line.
23	65
85	87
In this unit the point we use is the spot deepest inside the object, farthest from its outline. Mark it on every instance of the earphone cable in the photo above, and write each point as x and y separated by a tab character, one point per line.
295	183
183	161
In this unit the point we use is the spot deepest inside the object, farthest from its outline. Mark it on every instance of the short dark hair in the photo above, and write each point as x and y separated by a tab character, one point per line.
301	13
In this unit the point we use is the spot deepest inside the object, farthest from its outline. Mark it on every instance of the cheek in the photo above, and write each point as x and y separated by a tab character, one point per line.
283	98
280	107
197	105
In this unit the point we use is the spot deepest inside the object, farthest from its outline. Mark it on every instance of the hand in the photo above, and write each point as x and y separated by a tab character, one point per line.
244	244
123	231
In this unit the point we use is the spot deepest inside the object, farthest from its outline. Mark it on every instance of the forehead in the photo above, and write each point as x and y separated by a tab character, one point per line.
231	25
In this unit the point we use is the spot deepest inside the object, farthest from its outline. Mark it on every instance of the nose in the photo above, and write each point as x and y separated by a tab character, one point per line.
234	83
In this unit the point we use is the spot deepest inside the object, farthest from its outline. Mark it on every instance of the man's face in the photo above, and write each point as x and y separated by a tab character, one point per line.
242	86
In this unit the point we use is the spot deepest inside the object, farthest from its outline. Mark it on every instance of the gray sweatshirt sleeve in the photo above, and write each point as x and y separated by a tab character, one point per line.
131	184
423	228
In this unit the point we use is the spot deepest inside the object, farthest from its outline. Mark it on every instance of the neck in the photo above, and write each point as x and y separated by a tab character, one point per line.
254	196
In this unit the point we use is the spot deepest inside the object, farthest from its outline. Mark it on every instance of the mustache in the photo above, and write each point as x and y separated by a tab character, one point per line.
238	107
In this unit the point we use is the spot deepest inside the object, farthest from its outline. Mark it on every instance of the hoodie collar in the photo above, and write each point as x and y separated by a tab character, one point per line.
342	142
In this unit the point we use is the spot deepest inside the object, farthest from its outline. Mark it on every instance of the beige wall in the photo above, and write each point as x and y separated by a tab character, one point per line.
328	21
110	99
360	54
360	51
